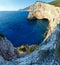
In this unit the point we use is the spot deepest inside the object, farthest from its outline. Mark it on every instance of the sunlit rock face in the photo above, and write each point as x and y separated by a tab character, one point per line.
42	10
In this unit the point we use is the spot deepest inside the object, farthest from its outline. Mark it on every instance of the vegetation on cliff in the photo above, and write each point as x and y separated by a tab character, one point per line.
56	3
27	48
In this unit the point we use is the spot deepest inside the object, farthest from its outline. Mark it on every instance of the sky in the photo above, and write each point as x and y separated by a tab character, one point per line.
12	5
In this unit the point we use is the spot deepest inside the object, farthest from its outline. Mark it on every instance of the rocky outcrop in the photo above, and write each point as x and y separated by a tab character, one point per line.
1	60
42	10
7	51
45	55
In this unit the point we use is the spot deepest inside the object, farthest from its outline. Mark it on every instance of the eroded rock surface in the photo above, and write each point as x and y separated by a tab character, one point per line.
7	51
42	10
45	55
1	59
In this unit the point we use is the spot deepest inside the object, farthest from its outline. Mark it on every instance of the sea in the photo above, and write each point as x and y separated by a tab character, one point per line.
21	31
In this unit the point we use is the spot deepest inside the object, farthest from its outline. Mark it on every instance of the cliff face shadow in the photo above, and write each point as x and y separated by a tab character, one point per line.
42	25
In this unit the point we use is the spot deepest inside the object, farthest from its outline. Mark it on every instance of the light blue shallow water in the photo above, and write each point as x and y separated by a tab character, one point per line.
15	26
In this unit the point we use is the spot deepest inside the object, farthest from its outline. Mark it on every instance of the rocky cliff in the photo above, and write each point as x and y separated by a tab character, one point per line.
7	50
48	52
45	11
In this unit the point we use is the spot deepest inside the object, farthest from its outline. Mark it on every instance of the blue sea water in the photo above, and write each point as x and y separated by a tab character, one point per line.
15	26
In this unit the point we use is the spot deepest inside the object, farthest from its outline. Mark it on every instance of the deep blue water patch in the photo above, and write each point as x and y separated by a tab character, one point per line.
15	26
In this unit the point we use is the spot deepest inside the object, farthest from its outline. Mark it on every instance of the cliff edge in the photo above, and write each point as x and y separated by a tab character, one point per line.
48	52
45	11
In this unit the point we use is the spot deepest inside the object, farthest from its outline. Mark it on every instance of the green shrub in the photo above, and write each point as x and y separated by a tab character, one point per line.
22	48
31	49
27	48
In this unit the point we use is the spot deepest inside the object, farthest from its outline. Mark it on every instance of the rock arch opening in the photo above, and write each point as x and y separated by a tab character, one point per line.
45	26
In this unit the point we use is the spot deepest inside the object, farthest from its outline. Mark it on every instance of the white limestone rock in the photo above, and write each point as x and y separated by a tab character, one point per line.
45	11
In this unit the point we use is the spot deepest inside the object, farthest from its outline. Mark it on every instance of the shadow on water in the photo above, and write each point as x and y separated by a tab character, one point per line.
42	26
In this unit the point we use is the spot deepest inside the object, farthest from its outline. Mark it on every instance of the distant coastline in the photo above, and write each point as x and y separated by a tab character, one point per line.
23	10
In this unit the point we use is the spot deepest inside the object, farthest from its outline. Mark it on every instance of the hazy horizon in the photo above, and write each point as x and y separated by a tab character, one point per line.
14	5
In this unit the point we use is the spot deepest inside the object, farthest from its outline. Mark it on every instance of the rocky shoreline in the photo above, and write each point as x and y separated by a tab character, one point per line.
48	52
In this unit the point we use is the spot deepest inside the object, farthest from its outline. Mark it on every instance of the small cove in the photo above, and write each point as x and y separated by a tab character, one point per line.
15	26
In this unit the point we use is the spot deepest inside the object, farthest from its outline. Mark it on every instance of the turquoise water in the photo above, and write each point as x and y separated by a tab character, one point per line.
15	26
